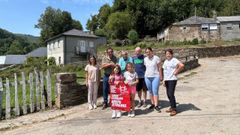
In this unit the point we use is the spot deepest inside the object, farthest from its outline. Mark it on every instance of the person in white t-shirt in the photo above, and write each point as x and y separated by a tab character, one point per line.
153	76
92	81
171	67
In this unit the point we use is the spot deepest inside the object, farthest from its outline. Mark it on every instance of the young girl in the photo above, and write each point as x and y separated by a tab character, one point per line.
131	78
171	67
115	79
92	81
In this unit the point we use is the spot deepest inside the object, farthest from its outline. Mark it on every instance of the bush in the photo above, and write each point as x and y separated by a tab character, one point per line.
51	61
203	41
100	32
133	36
118	42
195	41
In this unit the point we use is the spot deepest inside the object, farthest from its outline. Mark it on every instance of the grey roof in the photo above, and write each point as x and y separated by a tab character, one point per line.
74	32
196	20
12	59
39	52
228	18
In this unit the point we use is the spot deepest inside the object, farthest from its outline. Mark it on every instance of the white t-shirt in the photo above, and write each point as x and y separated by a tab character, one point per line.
93	72
169	66
152	66
130	77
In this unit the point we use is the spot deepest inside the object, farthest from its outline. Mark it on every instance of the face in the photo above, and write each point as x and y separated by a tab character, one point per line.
169	55
92	60
125	55
138	51
129	67
149	53
110	52
116	70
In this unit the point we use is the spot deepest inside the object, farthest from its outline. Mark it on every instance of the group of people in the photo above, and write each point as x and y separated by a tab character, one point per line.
141	72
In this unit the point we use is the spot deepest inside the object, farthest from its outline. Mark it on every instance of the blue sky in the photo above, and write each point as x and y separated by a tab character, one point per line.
20	16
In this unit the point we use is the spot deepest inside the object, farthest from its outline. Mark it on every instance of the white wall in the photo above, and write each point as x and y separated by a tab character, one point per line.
55	48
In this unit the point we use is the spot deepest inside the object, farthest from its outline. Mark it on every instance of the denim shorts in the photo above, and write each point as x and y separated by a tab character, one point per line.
153	85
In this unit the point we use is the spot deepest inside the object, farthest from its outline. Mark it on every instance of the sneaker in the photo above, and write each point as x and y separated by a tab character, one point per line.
144	104
104	106
113	114
90	107
129	114
157	108
133	114
139	104
94	106
119	114
151	107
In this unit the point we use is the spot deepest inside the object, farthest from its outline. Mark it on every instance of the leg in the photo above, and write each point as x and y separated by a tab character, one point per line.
90	93
133	101
105	89
149	87
171	91
155	86
95	94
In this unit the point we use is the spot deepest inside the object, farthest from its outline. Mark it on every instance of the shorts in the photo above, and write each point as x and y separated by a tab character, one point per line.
132	89
153	85
141	85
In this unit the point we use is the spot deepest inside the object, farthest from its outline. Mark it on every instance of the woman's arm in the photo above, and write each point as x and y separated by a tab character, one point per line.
179	68
160	70
86	78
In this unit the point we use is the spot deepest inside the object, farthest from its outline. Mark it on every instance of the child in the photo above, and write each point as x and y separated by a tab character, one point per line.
131	78
115	79
92	81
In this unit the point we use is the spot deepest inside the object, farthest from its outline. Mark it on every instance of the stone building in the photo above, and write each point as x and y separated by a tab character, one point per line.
192	28
229	27
73	46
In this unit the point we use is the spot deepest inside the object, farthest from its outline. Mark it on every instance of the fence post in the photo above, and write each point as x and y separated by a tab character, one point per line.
31	92
8	100
42	91
49	89
24	99
37	89
17	111
1	92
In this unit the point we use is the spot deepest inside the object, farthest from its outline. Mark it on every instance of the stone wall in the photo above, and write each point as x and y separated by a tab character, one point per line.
69	92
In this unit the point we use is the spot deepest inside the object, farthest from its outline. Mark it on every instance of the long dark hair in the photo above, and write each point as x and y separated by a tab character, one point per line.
95	60
169	50
119	69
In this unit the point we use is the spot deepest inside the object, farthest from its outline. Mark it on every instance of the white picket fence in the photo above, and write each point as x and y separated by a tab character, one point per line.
39	94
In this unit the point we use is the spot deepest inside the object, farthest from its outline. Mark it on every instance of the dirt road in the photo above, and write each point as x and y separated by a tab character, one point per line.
208	102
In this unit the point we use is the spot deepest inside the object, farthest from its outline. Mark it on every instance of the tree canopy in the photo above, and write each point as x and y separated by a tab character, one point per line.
151	16
54	21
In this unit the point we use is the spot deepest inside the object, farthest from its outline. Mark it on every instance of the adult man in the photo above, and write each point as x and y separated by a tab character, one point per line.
108	63
138	61
124	60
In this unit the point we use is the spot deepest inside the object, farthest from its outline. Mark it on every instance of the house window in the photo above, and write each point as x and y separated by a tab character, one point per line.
82	45
229	26
213	27
204	27
91	44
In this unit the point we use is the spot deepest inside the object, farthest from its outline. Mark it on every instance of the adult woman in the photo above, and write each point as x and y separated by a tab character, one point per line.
171	67
92	81
153	77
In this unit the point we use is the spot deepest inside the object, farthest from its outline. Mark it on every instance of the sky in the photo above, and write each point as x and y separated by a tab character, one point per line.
20	16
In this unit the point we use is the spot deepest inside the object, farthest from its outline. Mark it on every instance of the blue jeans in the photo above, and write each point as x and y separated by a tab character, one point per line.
152	85
105	88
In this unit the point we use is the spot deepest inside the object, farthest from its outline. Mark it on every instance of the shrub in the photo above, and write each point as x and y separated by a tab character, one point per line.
51	61
133	36
195	41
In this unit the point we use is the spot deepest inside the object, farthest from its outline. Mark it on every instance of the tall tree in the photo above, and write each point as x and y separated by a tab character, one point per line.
54	21
103	15
92	24
118	25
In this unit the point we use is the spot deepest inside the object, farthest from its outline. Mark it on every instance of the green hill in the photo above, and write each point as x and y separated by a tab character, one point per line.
11	43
